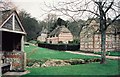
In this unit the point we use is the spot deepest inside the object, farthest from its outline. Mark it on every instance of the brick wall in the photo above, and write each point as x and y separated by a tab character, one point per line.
64	37
94	43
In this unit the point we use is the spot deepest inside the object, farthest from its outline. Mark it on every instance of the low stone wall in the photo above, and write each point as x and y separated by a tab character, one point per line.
54	62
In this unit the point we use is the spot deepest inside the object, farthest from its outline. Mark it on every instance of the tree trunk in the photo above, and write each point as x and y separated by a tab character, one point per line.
103	33
103	48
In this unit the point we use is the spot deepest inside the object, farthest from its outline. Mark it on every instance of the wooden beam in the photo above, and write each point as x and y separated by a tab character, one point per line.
22	43
0	65
13	22
3	29
21	26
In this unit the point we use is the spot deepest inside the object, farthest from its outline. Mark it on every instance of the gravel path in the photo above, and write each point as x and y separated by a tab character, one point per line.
15	74
90	54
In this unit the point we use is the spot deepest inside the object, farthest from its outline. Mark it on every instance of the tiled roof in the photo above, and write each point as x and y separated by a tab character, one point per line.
59	29
93	27
4	15
44	30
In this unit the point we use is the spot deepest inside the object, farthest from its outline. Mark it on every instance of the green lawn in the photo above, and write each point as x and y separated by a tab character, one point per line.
111	68
33	52
33	42
110	53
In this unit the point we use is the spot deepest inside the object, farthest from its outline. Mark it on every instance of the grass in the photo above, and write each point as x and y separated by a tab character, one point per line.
34	52
110	53
111	68
33	41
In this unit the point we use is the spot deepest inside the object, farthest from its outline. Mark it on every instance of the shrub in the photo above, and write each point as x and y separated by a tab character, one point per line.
26	44
32	62
75	41
75	61
33	41
60	42
61	47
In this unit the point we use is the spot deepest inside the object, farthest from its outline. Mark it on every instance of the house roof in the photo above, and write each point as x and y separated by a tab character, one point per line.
44	30
90	20
5	17
93	27
59	29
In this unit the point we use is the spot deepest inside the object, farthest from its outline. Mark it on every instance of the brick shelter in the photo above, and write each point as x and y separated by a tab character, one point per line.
12	55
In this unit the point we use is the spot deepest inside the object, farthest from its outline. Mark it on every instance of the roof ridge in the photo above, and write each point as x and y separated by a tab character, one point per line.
59	29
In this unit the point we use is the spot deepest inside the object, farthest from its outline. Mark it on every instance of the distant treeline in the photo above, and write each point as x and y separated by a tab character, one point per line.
33	27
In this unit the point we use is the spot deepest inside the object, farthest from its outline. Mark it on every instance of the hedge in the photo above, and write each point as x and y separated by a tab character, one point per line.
61	47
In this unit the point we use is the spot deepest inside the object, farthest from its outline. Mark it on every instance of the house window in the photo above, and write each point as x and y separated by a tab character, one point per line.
82	46
90	46
109	37
50	41
110	45
81	42
97	44
97	37
86	45
90	42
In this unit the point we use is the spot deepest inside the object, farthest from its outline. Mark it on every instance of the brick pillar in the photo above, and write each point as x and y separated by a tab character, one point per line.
24	60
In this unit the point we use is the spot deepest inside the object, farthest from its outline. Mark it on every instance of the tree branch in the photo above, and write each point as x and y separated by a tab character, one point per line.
109	7
89	11
112	21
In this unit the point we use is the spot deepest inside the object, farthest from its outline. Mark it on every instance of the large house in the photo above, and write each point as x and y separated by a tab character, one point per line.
43	35
60	34
12	56
90	37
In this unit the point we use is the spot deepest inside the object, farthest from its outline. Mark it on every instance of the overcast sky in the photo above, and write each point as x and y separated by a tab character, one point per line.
34	7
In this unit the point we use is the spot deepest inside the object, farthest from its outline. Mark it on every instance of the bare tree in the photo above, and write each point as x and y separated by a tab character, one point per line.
103	9
6	5
50	20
